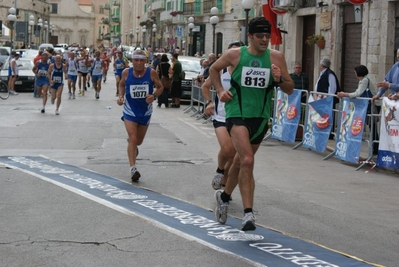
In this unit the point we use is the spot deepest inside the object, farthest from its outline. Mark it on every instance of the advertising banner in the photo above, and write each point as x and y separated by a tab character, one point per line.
286	115
388	151
318	127
350	131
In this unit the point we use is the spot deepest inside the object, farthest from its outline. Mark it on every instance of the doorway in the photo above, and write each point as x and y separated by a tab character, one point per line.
308	64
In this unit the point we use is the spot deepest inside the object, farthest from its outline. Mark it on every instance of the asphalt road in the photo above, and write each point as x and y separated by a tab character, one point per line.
297	193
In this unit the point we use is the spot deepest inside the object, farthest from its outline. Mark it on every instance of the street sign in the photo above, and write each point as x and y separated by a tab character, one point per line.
357	2
276	11
159	36
358	13
279	21
172	41
179	31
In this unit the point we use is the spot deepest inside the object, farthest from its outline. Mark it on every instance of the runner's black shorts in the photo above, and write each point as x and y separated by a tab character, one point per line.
257	127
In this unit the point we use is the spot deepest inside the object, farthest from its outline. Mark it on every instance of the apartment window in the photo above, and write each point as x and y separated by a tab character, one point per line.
54	8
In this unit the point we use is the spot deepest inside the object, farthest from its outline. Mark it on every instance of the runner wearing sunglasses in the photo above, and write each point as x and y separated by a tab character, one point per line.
248	102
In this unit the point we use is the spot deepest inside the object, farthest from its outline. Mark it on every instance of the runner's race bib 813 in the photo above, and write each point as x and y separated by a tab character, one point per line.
255	77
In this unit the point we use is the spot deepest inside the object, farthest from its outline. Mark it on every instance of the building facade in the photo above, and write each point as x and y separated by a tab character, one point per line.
366	34
23	32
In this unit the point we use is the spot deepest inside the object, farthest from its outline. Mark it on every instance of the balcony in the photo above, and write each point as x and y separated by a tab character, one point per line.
158	5
195	9
106	6
105	21
116	3
178	19
308	3
208	4
115	18
107	36
165	16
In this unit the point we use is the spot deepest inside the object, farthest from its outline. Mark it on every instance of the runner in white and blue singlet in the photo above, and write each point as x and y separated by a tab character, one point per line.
97	73
137	86
119	65
72	69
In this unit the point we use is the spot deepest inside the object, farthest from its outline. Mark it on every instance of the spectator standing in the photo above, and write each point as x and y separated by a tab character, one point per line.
301	80
163	71
328	83
174	74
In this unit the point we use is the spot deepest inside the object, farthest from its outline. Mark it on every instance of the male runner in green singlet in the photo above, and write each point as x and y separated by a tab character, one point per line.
257	69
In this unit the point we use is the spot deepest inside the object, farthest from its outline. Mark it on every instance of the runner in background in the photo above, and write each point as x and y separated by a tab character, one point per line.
106	60
119	65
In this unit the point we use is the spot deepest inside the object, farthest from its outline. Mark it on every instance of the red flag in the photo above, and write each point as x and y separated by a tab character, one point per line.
272	18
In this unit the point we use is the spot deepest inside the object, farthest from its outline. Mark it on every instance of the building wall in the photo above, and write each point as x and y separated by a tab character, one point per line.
37	8
377	37
72	24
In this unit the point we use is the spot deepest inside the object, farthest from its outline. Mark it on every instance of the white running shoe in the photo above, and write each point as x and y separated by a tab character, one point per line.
57	112
69	95
248	222
73	96
221	208
12	92
217	181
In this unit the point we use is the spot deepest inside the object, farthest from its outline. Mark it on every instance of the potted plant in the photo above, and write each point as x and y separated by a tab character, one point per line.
316	39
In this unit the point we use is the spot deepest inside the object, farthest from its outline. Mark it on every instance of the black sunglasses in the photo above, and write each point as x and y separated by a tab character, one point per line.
260	35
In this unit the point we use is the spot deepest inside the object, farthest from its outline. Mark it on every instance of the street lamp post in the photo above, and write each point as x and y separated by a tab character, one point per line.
131	37
191	27
11	18
154	31
31	23
214	20
126	37
144	30
40	24
247	5
45	31
137	33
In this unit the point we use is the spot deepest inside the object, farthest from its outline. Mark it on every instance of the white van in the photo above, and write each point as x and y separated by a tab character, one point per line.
45	46
65	46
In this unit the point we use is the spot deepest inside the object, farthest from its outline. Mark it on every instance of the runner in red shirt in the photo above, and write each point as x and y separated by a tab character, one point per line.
105	59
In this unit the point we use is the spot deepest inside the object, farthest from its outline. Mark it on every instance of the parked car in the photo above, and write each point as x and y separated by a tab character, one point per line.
128	52
192	67
4	54
27	53
45	46
65	46
26	80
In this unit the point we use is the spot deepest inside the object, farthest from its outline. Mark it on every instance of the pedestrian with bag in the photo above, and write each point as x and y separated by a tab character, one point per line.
365	89
163	73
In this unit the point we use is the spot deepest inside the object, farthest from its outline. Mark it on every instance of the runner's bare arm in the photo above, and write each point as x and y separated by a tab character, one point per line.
279	68
229	58
121	88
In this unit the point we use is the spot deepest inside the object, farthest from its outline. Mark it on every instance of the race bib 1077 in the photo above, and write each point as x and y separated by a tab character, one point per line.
139	91
255	77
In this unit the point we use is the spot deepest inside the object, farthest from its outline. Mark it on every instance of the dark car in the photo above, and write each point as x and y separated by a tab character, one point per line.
26	80
192	67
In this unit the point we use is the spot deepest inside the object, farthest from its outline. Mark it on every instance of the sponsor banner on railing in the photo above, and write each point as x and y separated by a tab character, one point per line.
318	127
286	115
349	139
388	151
